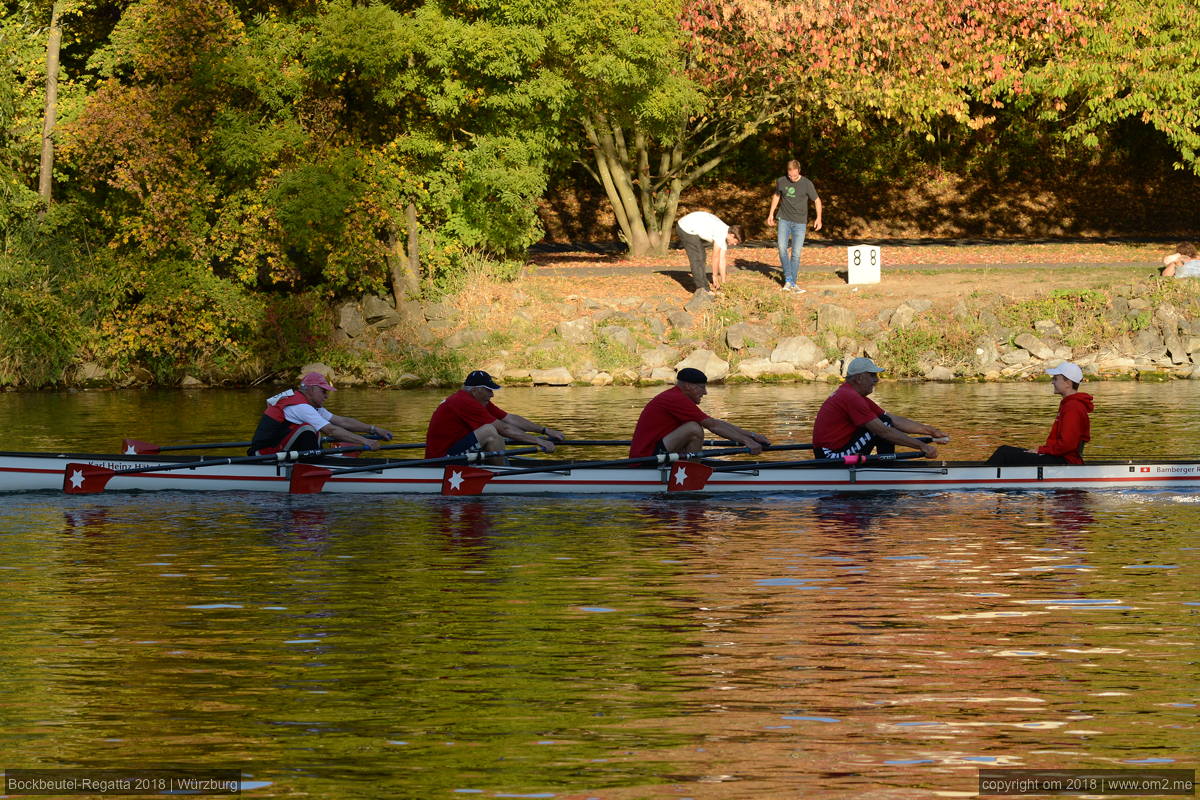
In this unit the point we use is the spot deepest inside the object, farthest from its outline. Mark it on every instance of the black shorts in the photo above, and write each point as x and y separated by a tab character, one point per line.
467	444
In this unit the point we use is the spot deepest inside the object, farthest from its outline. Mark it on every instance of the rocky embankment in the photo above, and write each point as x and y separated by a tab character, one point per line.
601	341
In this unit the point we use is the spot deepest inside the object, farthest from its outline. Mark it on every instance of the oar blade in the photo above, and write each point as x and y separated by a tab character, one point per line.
136	447
85	478
457	481
308	479
688	476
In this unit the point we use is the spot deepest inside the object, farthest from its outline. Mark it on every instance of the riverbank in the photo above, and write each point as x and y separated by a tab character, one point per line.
978	312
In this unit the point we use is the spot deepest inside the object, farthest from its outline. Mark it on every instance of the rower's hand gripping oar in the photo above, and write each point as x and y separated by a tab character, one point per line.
691	476
90	478
310	479
472	480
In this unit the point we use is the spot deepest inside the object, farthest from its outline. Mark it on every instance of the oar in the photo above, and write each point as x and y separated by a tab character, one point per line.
626	442
472	480
690	476
310	479
90	479
136	447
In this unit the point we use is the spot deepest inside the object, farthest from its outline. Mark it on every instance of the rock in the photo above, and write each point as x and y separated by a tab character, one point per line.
986	354
1015	357
189	382
919	304
558	376
1176	351
660	375
758	367
620	336
316	366
1048	327
375	308
1195	373
1034	345
656	326
576	331
707	362
798	350
902	317
1148	342
91	374
869	328
408	380
940	373
741	335
440	311
350	320
1191	344
601	379
700	301
466	336
680	319
835	318
661	356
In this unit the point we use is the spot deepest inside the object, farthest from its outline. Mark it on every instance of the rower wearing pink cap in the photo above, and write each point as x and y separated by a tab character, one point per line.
297	419
1072	428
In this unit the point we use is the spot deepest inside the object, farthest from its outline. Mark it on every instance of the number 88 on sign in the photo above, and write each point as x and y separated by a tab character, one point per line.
862	263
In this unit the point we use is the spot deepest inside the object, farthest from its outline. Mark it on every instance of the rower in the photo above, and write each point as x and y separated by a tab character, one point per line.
849	423
1072	427
469	422
297	419
672	422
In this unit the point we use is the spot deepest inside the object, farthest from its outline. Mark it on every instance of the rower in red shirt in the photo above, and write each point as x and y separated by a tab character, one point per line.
849	423
468	422
672	422
1071	430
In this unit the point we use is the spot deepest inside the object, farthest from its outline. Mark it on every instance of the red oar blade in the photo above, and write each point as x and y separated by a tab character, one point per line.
688	476
135	447
85	478
308	479
465	480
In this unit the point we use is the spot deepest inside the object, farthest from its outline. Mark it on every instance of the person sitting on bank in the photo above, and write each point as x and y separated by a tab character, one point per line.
469	422
849	423
698	230
672	421
297	419
1071	430
1183	263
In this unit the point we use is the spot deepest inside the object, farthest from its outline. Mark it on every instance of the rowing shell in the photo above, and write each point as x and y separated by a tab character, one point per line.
28	472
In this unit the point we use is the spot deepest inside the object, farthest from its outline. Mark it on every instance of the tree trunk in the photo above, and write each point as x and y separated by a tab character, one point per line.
405	268
53	46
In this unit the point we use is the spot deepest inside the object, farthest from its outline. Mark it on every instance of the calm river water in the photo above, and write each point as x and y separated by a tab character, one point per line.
567	647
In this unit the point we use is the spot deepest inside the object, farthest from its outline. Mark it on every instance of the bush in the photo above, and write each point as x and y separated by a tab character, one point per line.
42	331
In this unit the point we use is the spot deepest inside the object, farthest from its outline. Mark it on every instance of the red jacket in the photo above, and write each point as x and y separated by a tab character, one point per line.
1071	429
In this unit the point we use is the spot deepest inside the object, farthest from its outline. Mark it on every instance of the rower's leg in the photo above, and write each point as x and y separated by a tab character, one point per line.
687	438
491	441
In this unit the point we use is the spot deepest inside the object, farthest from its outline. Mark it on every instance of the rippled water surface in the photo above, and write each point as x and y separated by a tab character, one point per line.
768	647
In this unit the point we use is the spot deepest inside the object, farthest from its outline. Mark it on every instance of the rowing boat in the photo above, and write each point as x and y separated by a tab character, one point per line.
28	472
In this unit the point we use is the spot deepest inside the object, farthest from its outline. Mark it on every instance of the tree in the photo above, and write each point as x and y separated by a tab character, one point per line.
50	118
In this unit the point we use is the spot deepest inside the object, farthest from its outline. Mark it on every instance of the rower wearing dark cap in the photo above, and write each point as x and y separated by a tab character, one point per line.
468	421
674	423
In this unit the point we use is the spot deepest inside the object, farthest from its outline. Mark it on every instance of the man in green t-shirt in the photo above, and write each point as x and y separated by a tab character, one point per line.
792	195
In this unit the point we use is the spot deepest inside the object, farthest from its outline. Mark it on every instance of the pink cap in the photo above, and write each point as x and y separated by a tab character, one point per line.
317	379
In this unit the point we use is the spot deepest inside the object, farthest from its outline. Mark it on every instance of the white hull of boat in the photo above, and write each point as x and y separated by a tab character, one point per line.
30	472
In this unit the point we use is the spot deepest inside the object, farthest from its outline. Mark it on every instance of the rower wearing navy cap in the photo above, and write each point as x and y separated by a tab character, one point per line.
849	423
468	422
672	422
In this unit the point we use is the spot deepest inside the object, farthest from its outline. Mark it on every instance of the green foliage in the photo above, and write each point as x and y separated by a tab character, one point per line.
610	355
42	332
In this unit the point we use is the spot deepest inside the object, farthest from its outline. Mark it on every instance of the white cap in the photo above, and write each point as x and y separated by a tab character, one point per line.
860	365
1070	371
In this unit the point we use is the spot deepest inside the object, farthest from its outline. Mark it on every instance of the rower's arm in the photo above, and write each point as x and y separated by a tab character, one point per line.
343	434
919	428
352	426
720	427
506	428
897	435
532	427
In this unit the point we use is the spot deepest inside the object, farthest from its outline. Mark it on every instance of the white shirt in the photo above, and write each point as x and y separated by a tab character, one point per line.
707	226
302	413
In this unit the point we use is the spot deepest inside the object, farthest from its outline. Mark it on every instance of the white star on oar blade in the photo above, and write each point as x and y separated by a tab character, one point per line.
680	475
456	480
77	479
131	451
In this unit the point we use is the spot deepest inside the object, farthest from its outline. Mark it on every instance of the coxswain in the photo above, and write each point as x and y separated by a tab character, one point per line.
297	420
1072	428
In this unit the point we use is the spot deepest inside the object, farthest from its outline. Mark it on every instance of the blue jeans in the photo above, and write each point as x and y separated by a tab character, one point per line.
793	231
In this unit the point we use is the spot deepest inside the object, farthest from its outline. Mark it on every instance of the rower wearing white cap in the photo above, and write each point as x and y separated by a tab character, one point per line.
849	423
1071	430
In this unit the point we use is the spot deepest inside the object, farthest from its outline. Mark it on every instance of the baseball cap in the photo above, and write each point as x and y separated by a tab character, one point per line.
691	375
317	379
481	378
860	365
1068	370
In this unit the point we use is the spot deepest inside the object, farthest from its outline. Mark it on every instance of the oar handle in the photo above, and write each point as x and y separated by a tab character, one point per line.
468	458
